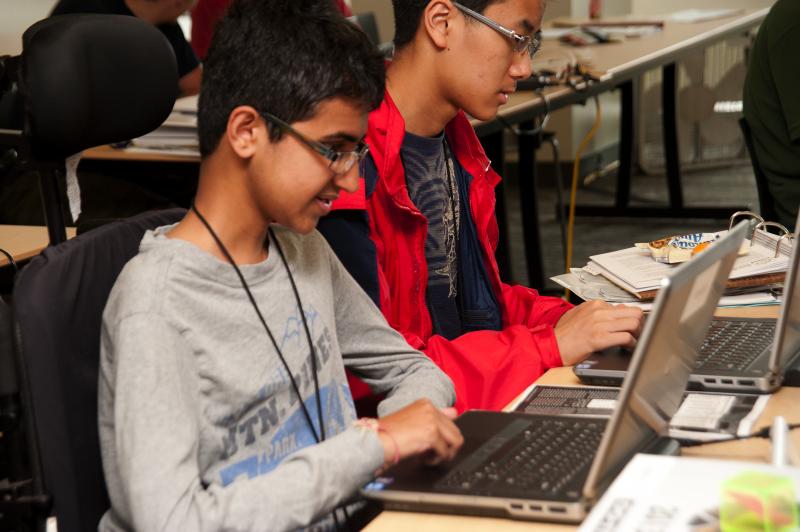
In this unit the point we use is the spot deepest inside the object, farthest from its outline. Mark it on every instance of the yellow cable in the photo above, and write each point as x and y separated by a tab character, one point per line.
576	170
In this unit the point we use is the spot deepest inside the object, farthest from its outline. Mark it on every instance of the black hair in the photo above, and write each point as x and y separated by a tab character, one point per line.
284	57
408	14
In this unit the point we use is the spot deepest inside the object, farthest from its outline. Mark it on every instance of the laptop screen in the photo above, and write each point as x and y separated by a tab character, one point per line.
787	340
665	356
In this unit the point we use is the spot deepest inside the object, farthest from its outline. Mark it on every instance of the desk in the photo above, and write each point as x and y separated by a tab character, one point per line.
784	403
618	66
107	153
25	241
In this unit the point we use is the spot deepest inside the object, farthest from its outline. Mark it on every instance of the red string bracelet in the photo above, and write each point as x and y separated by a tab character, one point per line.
370	423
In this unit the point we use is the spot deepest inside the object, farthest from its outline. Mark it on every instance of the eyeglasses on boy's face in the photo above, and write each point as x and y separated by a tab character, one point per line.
340	162
521	43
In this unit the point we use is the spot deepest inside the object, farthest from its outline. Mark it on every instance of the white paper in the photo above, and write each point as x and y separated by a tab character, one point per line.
73	188
702	15
671	494
603	404
176	136
591	286
702	411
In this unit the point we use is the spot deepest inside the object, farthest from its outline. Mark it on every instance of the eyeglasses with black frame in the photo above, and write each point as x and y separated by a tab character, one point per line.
521	43
340	162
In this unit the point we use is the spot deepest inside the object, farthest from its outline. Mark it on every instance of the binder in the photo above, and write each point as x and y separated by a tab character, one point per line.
764	267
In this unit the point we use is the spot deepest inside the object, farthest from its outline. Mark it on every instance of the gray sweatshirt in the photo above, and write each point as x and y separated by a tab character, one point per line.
200	428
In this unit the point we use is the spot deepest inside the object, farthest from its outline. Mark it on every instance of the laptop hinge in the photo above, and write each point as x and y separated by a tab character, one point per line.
653	418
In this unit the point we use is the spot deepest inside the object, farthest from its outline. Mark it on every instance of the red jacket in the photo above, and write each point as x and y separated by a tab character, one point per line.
488	368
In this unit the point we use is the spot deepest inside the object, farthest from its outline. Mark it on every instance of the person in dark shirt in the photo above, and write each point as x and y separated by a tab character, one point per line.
206	13
772	106
420	233
161	13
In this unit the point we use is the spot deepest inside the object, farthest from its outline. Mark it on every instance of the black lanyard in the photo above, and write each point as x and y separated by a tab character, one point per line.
318	437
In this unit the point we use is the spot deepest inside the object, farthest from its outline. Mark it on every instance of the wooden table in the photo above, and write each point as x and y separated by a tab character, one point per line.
784	402
107	153
25	241
618	66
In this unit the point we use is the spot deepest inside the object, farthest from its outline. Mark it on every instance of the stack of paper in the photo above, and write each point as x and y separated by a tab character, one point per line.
669	493
636	272
595	287
177	135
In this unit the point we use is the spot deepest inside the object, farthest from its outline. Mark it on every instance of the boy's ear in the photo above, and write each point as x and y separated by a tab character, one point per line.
436	20
246	131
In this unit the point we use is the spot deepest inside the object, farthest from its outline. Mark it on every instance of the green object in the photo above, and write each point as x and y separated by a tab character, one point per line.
754	501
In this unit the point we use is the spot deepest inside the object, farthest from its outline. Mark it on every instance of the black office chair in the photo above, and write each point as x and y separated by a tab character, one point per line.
58	305
766	203
81	81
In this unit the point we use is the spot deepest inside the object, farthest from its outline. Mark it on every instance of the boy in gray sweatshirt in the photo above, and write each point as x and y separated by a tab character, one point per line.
223	401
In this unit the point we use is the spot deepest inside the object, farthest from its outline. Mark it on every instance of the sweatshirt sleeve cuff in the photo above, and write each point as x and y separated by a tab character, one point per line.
545	338
371	447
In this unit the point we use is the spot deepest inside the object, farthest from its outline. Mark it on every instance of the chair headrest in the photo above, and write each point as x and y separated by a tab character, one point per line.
88	80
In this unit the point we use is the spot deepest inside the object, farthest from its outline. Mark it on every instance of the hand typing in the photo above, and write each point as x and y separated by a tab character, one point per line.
421	429
593	326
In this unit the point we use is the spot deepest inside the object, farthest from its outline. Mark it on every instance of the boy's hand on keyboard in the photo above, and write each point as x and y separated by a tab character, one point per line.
594	326
421	429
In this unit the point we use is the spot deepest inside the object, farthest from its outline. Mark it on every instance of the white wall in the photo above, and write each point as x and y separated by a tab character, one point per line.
15	17
657	7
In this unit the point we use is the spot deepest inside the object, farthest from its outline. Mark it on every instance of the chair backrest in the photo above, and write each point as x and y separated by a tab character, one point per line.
58	304
766	203
81	81
88	80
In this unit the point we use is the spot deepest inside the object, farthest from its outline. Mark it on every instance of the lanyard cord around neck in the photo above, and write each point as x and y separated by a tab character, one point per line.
455	199
317	437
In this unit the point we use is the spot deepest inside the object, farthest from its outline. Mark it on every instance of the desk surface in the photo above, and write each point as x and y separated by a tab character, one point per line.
107	153
615	63
25	241
784	403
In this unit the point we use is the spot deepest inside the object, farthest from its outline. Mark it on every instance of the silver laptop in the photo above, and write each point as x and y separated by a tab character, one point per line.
554	467
739	355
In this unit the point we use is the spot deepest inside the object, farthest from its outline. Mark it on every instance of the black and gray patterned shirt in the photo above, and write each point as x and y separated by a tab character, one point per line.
432	187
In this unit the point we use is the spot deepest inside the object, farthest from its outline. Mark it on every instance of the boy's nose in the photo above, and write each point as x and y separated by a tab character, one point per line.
349	180
521	67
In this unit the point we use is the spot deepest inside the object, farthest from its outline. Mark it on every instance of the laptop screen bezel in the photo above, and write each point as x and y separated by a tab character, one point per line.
777	363
725	251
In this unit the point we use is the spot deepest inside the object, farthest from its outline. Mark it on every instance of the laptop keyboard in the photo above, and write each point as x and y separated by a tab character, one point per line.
558	401
546	458
733	345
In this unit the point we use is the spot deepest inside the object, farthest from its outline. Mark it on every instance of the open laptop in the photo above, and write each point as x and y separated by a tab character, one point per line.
553	467
739	355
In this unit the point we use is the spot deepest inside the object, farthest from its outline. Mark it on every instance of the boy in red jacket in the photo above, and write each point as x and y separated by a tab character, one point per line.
420	233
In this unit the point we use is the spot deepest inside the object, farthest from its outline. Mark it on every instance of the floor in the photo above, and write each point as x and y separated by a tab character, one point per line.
725	185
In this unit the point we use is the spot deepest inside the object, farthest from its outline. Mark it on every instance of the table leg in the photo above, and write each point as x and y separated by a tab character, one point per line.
675	207
627	134
669	110
53	205
528	206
